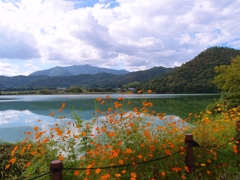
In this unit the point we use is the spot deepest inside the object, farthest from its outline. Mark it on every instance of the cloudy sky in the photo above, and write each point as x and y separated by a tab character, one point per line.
118	34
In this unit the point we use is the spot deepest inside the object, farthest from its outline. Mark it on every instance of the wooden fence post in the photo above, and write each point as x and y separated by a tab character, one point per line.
189	157
56	170
238	136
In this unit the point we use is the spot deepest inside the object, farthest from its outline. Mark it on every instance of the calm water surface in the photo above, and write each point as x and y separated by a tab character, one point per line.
20	113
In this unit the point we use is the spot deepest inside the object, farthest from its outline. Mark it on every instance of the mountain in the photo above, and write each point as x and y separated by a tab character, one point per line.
194	76
76	70
17	81
100	80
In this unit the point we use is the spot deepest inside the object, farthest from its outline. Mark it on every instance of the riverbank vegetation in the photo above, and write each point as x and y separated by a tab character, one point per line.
134	143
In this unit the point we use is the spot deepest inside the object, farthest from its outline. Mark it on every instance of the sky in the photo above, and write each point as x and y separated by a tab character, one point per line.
118	34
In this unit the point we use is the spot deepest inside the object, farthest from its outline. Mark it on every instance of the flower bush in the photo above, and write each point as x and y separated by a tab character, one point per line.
127	142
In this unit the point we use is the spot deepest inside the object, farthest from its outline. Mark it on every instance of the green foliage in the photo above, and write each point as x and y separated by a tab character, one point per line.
228	78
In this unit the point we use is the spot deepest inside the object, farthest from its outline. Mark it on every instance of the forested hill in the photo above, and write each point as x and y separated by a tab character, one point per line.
83	80
195	76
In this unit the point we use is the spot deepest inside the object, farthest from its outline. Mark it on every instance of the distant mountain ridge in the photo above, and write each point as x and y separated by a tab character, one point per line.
194	76
76	70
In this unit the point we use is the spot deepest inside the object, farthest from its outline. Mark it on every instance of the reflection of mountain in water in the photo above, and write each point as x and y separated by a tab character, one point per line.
179	106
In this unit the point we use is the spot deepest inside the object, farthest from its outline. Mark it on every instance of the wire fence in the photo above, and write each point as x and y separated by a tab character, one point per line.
56	166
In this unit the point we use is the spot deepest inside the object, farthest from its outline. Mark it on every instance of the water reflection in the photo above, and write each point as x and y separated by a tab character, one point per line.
20	113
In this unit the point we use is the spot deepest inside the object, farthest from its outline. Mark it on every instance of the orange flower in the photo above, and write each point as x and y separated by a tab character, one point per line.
60	157
28	164
84	133
35	128
149	91
128	151
120	161
76	173
186	169
87	171
63	105
139	91
97	171
106	176
33	153
133	174
120	99
111	134
45	140
123	171
103	129
13	160
120	143
208	172
51	113
139	156
7	166
183	177
118	175
162	173
168	152
98	99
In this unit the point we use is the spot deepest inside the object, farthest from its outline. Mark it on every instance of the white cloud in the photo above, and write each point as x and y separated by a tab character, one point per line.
132	35
8	69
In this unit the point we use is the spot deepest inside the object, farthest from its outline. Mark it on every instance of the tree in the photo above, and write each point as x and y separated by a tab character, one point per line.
228	78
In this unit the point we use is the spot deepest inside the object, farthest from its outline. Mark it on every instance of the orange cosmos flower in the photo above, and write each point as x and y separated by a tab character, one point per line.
97	171
106	176
87	171
120	161
103	129
84	133
63	105
186	169
51	113
98	99
111	134
35	128
118	175
162	173
28	164
76	173
13	160
60	157
168	152
128	151
149	91
183	177
7	166
45	140
133	174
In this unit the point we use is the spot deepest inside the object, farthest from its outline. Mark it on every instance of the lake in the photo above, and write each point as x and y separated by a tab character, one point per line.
20	113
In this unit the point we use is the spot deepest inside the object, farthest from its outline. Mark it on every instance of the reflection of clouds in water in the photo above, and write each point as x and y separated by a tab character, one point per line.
9	116
30	116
